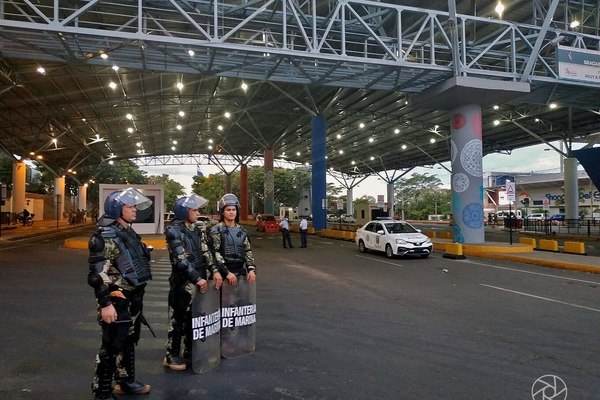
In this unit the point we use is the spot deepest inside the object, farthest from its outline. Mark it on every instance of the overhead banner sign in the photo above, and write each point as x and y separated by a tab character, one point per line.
578	64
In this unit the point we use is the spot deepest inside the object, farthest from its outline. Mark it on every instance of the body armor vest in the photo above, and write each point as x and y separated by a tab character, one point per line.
191	243
232	247
134	258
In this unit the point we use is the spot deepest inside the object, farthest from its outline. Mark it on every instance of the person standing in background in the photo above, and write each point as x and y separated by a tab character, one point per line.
303	232
285	232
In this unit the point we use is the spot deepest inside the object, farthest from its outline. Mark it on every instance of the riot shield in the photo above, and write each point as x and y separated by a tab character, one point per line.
238	319
206	325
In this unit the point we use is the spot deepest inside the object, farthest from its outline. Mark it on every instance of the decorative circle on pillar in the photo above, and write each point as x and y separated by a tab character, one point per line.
458	121
269	182
453	150
470	157
460	182
473	215
476	124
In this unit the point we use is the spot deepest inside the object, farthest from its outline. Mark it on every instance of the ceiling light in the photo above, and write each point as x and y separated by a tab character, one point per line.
361	125
210	147
139	151
130	130
396	131
97	136
139	144
174	141
574	24
181	113
371	140
341	151
220	127
496	107
403	147
191	53
179	127
129	116
227	114
54	140
112	85
179	85
297	153
553	105
41	70
537	120
353	162
306	164
31	153
432	140
104	56
499	8
173	148
244	86
39	157
111	162
210	140
496	122
115	68
372	158
339	136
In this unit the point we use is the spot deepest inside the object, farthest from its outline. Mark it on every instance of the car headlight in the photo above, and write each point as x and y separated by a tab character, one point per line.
427	240
401	241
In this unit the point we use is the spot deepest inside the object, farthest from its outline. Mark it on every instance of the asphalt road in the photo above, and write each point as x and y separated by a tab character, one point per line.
332	324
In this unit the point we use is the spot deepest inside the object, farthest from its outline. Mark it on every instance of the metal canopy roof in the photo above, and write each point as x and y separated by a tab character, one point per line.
350	61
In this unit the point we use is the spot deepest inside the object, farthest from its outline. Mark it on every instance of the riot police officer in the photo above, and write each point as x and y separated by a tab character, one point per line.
119	268
191	263
231	244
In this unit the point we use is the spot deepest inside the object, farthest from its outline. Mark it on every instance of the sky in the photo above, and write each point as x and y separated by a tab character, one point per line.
539	158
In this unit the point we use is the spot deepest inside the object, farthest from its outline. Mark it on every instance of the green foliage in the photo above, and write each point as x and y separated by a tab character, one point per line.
288	186
121	172
421	195
212	188
173	189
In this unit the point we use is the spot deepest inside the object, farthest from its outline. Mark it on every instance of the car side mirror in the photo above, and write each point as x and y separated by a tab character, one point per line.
380	232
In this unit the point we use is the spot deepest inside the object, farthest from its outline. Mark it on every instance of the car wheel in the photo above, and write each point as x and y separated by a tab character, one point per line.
361	246
389	252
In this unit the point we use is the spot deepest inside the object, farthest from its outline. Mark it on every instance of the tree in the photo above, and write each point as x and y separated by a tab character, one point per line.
173	189
212	188
421	195
120	172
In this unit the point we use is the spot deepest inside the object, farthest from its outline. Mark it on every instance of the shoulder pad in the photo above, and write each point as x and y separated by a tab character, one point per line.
215	229
107	232
96	243
173	232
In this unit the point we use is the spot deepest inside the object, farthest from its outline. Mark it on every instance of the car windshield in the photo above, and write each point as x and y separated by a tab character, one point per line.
398	227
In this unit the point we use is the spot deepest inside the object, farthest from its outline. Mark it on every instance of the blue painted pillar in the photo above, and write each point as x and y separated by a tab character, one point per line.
319	172
467	181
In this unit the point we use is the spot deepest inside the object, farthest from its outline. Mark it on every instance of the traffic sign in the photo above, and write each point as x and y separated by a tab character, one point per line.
510	191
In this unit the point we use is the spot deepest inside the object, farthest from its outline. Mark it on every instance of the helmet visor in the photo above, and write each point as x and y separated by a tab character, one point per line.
194	201
133	197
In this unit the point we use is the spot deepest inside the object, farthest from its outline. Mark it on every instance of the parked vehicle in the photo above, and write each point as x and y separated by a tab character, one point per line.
394	238
347	218
332	218
266	223
556	218
535	217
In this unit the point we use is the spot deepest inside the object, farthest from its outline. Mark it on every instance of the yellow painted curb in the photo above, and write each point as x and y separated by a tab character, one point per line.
76	243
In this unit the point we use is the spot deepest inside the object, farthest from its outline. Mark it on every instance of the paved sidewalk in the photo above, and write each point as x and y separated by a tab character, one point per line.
16	232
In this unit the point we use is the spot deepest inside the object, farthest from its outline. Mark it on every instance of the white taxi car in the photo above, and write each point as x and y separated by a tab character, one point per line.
395	238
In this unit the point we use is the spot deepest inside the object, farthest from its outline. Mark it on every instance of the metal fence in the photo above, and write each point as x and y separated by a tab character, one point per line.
589	227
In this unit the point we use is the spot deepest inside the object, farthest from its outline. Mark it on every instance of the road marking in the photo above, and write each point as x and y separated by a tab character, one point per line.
381	261
530	272
540	297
